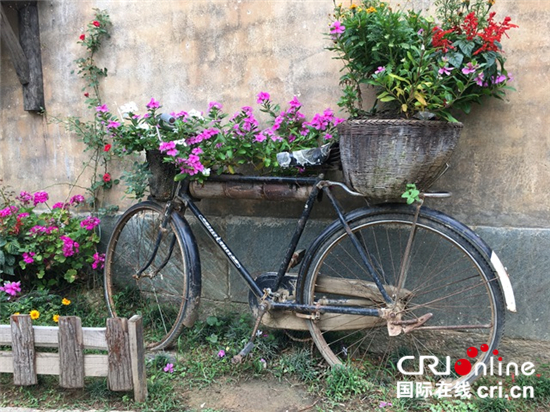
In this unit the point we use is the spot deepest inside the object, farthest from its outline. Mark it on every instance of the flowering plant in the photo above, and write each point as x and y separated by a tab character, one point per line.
50	246
418	67
212	142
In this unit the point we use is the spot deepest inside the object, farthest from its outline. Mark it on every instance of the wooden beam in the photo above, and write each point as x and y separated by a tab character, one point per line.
29	38
15	50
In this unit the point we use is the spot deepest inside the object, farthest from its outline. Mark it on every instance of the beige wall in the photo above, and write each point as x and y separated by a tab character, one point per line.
186	53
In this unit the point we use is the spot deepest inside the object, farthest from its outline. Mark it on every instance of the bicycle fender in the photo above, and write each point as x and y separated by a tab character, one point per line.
504	282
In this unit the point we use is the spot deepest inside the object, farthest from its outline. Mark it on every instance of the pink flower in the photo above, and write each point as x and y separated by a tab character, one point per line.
479	79
76	199
445	70
169	368
221	353
153	104
27	257
337	28
214	105
263	97
99	261
24	197
40	197
90	223
470	68
102	109
169	148
113	125
70	247
380	69
294	103
11	288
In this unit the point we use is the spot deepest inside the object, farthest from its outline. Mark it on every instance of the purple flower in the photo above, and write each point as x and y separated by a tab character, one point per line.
169	148
214	105
470	68
40	197
328	136
221	353
11	288
169	368
7	211
90	223
260	137
263	97
27	257
153	104
510	77
380	69
24	197
479	79
76	199
70	247
102	109
294	103
60	205
445	70
337	28
99	261
22	215
113	125
384	404
499	79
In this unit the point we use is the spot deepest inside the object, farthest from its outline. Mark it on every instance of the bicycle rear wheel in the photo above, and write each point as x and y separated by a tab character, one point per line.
153	272
444	275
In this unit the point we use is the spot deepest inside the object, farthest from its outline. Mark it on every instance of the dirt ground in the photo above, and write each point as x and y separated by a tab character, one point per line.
252	396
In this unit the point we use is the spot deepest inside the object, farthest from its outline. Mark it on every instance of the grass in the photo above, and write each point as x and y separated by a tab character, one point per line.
202	359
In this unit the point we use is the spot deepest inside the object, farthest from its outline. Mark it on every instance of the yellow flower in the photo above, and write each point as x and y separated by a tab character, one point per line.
16	313
491	2
34	314
371	9
66	302
353	6
56	318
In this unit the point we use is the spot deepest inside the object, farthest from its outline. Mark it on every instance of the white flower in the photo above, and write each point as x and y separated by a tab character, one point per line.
180	142
128	108
206	172
195	113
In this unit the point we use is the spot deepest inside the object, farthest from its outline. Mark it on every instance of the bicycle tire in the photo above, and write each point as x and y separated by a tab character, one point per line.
449	275
168	297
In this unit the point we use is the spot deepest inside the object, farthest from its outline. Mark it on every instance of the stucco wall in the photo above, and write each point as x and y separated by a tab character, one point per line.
187	53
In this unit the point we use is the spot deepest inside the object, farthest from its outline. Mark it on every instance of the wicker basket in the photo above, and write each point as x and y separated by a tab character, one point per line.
379	157
161	181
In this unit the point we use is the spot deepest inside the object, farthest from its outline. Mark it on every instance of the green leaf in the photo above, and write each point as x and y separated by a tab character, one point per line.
70	275
455	59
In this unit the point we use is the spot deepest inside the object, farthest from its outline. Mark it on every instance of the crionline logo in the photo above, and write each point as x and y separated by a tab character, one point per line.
463	366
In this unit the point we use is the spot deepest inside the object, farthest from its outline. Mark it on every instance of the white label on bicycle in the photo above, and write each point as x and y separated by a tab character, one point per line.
504	282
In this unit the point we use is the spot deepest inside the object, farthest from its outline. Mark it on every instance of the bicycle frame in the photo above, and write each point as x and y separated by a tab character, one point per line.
318	184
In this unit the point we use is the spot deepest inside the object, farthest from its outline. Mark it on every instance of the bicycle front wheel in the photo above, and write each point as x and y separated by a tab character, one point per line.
153	271
438	276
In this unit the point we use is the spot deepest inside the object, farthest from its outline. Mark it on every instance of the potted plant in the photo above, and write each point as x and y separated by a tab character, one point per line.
195	145
422	72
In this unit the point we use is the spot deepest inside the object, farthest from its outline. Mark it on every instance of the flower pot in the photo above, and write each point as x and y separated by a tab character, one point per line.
161	181
381	156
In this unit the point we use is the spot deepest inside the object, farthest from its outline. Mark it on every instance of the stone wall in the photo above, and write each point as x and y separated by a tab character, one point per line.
187	53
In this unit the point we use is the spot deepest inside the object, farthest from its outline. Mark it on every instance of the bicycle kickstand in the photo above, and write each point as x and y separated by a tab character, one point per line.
250	345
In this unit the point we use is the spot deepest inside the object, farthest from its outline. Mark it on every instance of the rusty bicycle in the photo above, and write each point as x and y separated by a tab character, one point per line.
378	283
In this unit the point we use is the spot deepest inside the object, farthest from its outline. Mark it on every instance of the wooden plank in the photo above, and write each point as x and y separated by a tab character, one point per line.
71	352
137	354
29	38
15	51
46	337
120	367
24	367
354	287
328	321
48	364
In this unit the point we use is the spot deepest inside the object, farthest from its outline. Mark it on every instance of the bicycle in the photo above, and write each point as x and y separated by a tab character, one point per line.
377	284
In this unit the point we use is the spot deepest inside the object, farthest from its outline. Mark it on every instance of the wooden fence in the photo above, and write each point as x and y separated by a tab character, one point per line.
123	365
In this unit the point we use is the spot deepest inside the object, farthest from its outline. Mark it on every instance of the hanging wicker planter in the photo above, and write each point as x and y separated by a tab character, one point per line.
161	181
381	156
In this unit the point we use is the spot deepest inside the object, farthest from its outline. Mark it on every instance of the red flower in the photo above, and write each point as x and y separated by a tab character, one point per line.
82	37
96	23
106	177
86	94
107	147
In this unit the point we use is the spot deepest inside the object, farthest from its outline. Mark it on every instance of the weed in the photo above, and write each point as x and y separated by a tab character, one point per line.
343	383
